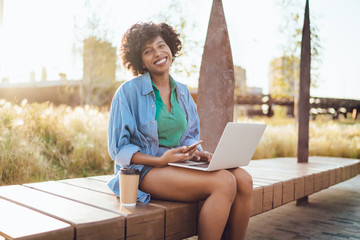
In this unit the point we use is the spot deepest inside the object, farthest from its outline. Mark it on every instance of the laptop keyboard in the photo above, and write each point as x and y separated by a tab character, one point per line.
195	164
201	165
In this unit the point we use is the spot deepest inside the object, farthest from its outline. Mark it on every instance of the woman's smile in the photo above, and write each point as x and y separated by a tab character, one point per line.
161	61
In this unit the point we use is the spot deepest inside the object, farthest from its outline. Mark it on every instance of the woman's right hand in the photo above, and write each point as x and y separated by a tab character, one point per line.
174	155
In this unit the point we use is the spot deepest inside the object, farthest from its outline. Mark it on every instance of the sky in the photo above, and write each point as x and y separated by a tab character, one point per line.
41	33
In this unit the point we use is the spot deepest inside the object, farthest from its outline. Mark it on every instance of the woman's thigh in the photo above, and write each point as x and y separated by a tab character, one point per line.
181	184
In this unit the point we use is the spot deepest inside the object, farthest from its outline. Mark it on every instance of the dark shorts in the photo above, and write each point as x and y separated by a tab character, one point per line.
144	169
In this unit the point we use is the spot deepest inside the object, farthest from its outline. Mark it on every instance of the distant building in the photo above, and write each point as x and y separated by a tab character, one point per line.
283	76
98	72
43	74
240	80
254	91
63	77
99	61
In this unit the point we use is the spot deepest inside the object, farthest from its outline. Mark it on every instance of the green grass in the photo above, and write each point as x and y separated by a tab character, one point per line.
40	142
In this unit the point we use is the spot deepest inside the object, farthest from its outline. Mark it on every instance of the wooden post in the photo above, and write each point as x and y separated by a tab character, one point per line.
216	82
304	95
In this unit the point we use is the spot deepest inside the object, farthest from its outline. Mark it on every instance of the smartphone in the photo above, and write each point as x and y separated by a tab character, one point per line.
192	146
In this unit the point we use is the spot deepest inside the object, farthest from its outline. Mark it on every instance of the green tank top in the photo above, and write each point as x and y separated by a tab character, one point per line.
171	125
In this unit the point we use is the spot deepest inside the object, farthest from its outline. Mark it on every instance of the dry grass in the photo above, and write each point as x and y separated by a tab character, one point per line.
40	142
326	138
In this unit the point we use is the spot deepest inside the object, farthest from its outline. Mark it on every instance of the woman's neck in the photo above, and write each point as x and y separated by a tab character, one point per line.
160	80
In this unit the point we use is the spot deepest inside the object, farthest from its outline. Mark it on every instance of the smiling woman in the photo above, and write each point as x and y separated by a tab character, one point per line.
152	121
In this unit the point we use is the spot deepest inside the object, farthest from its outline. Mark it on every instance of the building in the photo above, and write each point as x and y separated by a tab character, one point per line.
98	72
284	76
240	80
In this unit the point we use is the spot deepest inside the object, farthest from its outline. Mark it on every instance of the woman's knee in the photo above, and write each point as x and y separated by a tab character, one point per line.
244	181
225	182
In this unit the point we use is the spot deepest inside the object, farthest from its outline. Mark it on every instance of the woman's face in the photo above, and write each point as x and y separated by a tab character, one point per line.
156	56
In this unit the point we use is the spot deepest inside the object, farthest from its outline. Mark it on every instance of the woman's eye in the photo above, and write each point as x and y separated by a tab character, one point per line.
147	52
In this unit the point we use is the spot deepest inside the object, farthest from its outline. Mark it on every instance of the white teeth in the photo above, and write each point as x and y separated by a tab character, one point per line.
161	61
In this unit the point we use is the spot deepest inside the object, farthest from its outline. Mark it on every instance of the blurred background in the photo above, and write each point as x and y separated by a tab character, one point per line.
59	68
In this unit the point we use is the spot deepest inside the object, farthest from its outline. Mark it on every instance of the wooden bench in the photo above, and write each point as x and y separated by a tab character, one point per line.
85	208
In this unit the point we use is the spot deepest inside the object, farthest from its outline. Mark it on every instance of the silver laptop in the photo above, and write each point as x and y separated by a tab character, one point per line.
235	148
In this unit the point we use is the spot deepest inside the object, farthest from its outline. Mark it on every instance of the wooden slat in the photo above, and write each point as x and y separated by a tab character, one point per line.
309	185
18	222
290	168
102	178
304	183
89	222
277	190
326	171
349	167
142	222
317	182
268	194
288	183
337	175
257	200
332	178
288	196
180	218
89	183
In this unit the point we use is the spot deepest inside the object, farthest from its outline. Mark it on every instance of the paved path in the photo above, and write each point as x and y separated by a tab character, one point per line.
332	213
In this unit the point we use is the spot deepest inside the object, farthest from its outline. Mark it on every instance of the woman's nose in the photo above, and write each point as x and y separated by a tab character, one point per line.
157	51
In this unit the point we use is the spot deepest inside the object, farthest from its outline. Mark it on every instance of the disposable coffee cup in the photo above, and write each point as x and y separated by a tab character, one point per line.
129	181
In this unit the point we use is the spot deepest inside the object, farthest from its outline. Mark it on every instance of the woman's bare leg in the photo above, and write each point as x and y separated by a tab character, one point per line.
241	209
180	184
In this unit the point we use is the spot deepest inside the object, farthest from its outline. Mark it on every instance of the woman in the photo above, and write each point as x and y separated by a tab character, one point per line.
152	120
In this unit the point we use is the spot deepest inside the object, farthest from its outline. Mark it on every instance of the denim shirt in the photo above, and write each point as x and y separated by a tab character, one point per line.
132	124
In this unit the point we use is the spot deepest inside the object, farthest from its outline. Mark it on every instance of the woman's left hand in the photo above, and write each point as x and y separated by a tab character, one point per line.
202	156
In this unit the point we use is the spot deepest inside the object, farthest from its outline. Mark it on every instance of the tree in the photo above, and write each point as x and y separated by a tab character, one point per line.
292	30
98	72
32	76
98	54
43	74
283	76
178	15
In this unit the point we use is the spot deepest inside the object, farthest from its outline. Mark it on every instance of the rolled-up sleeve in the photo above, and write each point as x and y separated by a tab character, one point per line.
121	122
